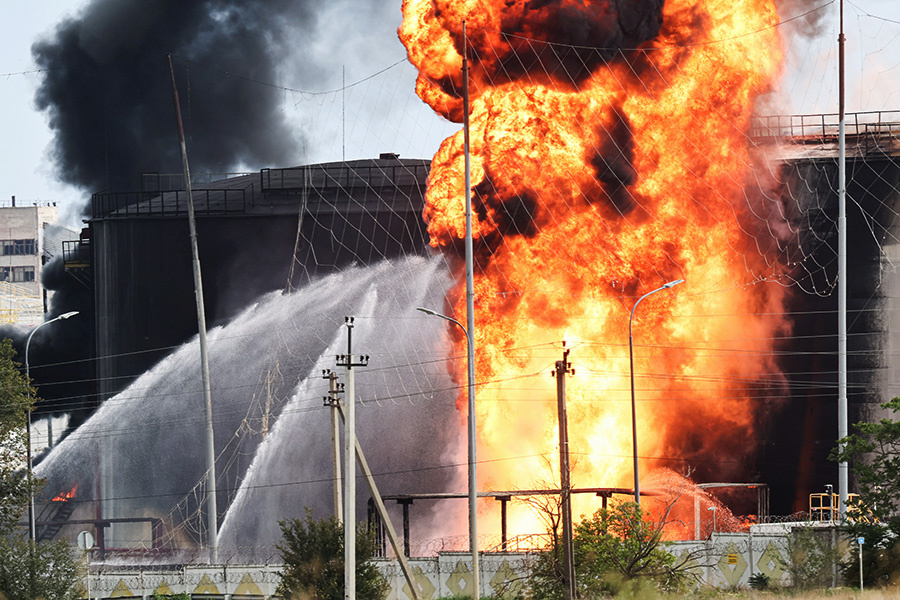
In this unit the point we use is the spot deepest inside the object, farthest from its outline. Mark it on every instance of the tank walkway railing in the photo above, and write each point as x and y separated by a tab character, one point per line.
168	204
76	253
824	128
343	176
169	182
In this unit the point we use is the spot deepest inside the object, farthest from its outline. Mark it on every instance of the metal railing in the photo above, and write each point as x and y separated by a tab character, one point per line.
170	182
168	204
18	304
343	176
76	253
25	203
824	128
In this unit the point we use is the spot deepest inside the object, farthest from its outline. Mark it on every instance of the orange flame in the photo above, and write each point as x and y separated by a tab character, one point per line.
67	496
602	168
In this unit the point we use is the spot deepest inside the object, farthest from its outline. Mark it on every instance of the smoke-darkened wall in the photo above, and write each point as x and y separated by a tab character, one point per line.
802	430
359	212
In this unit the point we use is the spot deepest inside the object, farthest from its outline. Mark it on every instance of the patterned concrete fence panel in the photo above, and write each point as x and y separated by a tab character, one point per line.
729	560
450	574
226	582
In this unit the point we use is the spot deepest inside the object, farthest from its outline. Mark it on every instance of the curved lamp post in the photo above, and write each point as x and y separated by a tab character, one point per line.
32	530
637	489
473	522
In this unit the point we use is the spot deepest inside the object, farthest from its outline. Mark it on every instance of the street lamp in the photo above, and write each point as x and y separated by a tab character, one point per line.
473	524
32	532
637	489
713	508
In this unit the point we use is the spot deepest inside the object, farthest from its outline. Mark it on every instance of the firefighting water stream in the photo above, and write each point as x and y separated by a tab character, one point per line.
272	431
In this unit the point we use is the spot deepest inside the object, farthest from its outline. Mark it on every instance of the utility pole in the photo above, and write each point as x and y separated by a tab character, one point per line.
385	517
564	367
349	361
332	400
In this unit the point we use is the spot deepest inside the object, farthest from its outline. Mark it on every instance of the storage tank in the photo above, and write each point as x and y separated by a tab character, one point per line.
255	233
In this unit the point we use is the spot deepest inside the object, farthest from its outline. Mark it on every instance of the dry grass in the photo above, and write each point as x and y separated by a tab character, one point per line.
836	594
748	594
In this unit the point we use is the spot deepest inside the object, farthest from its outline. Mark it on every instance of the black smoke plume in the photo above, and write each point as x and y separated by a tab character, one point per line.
574	27
107	88
554	42
60	355
107	92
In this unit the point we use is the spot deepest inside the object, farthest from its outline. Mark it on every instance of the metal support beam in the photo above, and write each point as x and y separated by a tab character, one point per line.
406	502
385	518
503	526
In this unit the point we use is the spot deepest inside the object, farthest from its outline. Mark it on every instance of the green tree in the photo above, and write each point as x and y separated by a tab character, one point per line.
615	550
313	554
47	571
874	454
810	558
15	402
27	570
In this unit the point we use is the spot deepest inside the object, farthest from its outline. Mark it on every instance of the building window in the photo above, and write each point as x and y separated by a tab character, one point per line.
22	274
19	247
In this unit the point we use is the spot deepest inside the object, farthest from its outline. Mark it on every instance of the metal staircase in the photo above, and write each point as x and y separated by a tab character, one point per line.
54	516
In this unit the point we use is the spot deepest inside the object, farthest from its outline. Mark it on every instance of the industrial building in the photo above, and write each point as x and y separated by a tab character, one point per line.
805	148
283	227
29	237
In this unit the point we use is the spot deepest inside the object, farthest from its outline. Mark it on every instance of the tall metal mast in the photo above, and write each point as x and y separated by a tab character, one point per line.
842	275
470	328
212	517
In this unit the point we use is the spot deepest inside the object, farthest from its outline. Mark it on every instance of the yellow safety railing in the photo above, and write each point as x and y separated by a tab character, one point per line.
18	304
824	508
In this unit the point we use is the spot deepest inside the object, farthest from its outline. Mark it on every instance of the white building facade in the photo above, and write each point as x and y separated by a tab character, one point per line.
29	238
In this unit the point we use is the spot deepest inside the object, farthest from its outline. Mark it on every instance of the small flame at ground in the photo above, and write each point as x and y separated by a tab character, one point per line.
67	496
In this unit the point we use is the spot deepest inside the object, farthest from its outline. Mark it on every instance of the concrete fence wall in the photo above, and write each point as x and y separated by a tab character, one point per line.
445	575
726	560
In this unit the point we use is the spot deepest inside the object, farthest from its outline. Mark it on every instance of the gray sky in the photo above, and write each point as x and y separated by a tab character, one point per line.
382	114
25	171
872	30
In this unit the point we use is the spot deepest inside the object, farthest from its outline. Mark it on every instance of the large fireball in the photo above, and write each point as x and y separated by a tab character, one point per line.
609	155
